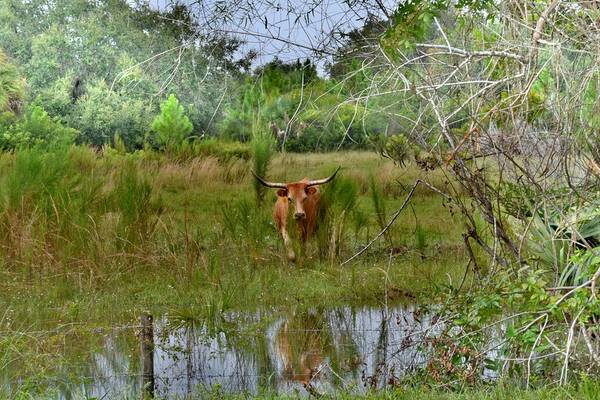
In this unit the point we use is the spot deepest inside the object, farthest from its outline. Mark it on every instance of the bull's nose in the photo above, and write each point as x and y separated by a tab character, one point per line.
299	215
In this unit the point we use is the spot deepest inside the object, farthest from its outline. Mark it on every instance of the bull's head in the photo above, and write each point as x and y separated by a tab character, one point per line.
297	192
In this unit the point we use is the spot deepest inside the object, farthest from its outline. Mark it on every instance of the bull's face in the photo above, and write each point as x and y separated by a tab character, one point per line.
304	197
296	194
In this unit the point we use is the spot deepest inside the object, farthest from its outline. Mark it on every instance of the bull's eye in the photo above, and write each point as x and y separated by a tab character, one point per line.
289	198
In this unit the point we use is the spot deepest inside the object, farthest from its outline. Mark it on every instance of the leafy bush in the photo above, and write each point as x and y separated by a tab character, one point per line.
320	136
327	126
171	127
314	138
275	100
7	119
37	129
101	113
56	99
240	116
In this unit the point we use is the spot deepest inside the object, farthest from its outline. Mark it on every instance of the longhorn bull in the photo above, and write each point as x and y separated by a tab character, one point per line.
304	197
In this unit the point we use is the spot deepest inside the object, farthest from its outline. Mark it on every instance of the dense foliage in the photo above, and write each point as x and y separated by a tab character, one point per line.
104	67
301	110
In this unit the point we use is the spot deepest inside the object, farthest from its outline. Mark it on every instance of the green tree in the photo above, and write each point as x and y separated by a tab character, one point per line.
36	129
171	126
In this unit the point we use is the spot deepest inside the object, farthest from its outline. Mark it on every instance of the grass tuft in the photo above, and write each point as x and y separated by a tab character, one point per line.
262	152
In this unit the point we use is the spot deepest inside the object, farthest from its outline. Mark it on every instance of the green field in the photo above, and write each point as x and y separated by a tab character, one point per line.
94	240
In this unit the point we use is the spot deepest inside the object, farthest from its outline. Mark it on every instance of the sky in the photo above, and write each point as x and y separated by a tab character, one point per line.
287	29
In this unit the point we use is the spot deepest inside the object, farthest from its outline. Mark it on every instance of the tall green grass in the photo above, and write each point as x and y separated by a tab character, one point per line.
421	238
75	209
47	206
132	199
379	207
263	147
247	225
337	205
68	207
91	239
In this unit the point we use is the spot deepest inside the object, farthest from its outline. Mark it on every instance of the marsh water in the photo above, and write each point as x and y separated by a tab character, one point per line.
318	350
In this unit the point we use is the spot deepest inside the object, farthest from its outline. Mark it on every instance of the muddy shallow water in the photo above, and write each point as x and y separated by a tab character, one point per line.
317	350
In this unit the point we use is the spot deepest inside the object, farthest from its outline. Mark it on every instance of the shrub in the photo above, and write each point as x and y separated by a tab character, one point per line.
236	126
56	99
318	129
37	129
7	119
290	97
171	127
101	113
395	147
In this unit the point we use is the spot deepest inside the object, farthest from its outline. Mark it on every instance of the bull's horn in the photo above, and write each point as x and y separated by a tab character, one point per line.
322	181
268	184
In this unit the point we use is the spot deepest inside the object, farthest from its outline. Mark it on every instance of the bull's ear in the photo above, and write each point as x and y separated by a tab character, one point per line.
311	190
282	193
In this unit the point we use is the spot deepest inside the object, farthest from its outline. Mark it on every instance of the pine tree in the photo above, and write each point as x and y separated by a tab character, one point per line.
171	126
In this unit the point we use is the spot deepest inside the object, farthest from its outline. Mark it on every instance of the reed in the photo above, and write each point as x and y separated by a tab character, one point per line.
337	204
262	152
380	209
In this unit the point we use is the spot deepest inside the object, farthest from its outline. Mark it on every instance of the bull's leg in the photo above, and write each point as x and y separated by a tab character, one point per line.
280	215
303	238
288	244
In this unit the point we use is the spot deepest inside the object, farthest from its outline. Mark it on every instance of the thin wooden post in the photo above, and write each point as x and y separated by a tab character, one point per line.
147	352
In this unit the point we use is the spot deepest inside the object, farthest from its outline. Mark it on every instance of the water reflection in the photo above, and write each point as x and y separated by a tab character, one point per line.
320	350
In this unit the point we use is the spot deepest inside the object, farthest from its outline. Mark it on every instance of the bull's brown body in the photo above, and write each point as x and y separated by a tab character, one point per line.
304	197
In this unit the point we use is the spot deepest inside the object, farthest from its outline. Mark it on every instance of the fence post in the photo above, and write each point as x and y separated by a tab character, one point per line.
147	352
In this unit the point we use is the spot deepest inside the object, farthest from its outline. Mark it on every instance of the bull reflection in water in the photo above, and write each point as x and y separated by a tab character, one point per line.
303	344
